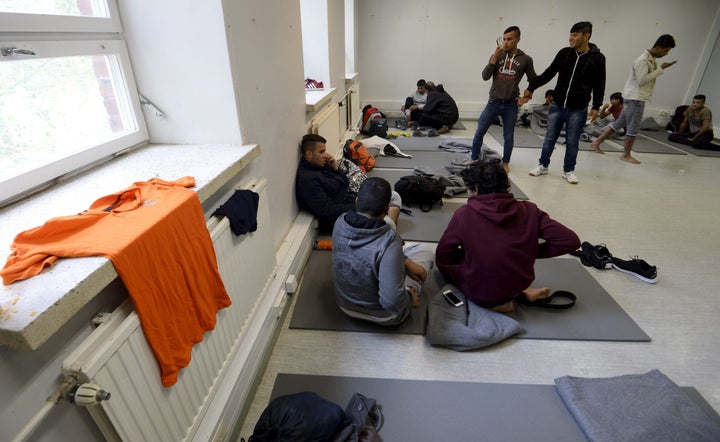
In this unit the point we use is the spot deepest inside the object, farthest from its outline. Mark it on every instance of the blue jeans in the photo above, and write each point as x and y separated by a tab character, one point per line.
505	109
574	121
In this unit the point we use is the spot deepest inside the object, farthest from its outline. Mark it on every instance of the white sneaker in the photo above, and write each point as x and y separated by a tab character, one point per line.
539	170
570	177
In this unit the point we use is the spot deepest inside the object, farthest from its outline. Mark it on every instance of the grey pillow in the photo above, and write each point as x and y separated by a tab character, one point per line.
467	327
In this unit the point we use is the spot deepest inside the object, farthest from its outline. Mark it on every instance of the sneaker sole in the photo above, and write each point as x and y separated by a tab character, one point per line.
648	280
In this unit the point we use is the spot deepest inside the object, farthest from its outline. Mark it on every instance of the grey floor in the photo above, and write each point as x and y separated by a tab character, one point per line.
663	210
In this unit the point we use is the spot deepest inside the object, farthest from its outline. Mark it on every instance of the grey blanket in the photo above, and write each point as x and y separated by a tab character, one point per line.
645	407
467	327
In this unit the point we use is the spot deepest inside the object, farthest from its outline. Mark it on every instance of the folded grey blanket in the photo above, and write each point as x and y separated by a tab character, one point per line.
466	327
645	407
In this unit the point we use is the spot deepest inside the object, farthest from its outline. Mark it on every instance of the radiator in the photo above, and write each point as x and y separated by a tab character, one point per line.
327	124
117	357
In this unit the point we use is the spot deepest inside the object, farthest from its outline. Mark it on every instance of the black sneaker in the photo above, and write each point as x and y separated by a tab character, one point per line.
584	253
637	267
601	257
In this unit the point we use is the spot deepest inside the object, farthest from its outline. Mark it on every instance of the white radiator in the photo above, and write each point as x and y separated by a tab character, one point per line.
327	124
117	357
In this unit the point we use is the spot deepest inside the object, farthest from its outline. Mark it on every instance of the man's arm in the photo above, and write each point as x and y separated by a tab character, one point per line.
546	76
391	278
704	128
683	125
489	69
598	92
559	239
531	75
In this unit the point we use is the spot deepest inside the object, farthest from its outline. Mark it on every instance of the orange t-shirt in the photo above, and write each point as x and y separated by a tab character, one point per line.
155	235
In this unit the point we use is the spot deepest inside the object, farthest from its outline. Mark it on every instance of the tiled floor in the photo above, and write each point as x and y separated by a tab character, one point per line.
663	210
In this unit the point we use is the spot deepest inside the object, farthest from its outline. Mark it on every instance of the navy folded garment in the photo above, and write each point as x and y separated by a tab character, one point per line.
241	210
644	407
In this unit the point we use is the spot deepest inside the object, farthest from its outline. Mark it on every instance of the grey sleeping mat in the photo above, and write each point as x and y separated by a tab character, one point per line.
455	411
595	317
315	307
422	158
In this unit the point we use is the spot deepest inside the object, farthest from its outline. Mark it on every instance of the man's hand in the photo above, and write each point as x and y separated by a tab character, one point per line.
415	297
415	271
668	64
522	100
330	162
496	55
593	114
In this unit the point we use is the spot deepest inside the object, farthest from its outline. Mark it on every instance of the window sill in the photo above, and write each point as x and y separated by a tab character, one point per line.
315	99
47	301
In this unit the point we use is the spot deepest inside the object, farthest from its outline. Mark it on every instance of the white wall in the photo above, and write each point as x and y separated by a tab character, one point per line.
451	41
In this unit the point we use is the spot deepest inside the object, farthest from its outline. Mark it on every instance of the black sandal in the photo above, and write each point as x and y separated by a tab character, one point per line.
548	302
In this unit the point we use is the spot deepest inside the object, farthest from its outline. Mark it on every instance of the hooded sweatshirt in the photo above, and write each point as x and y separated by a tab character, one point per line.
322	192
369	266
507	73
490	245
579	76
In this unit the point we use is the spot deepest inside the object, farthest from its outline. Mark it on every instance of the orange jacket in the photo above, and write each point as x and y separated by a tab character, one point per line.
155	235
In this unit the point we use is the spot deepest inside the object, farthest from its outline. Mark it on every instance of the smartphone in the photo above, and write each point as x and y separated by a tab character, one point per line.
499	41
452	298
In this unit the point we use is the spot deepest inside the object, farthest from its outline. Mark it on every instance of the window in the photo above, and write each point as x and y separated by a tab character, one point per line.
66	101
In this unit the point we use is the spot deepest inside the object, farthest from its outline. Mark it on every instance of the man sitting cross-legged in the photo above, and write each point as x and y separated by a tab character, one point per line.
375	278
490	245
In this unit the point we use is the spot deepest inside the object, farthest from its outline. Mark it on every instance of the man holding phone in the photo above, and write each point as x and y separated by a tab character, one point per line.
506	66
376	278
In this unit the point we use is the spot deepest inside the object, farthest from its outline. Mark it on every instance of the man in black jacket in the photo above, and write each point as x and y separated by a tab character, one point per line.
322	189
581	76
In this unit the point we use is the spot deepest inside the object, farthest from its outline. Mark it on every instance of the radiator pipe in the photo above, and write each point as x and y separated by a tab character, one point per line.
77	393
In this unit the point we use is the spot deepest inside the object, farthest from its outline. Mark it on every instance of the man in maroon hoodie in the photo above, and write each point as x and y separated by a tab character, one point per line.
490	245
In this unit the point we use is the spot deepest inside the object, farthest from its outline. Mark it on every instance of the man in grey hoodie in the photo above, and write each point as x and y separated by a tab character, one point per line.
506	66
375	278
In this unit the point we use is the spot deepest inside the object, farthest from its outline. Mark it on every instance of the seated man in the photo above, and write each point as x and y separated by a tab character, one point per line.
375	279
609	112
322	189
540	112
696	127
416	101
440	111
490	245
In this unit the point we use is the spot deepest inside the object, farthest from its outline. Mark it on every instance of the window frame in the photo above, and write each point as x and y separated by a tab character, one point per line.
53	42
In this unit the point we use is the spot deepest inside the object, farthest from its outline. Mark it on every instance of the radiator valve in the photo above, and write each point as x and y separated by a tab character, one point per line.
87	394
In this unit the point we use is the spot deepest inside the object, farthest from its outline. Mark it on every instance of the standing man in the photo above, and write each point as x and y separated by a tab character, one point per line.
638	89
581	75
696	128
507	65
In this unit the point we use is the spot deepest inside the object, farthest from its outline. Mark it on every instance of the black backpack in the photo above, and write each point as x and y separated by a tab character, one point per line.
374	122
421	190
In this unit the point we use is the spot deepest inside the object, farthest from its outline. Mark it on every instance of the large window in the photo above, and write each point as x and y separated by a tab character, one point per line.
66	99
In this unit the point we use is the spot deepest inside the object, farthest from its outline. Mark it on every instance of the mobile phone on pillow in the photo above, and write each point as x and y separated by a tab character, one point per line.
452	298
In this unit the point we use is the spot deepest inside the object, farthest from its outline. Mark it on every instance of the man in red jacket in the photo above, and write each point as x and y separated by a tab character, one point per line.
490	245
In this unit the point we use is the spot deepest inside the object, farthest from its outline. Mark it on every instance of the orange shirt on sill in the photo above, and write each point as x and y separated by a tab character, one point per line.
155	235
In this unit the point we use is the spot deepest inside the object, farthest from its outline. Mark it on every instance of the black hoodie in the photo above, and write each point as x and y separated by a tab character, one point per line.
579	76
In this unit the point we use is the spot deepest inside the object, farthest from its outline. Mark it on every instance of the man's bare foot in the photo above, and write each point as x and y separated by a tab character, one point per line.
506	167
629	159
533	294
596	147
505	308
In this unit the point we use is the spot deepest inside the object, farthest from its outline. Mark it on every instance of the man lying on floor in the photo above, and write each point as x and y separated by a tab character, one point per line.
375	278
490	245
